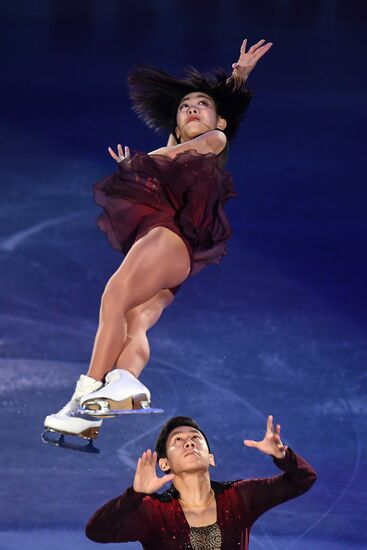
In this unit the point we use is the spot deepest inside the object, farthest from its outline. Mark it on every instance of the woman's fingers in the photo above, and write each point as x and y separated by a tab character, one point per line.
255	46
262	51
269	425
122	154
243	46
113	154
250	443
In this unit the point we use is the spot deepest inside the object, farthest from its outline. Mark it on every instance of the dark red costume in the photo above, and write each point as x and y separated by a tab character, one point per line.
158	522
185	194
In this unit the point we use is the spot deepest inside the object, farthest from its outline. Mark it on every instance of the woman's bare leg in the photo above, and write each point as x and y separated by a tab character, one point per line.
157	261
135	352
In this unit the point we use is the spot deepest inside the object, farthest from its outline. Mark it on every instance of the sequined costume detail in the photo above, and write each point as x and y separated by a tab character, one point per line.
206	538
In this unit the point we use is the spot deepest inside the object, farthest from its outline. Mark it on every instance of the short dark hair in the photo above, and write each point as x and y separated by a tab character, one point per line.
169	426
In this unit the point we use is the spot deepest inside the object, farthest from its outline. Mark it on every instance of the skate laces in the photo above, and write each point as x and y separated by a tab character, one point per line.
70	409
112	376
85	385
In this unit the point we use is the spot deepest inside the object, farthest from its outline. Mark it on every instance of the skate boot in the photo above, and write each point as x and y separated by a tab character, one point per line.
69	420
121	394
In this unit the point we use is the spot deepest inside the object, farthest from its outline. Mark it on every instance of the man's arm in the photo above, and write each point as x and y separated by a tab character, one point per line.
122	519
130	517
259	495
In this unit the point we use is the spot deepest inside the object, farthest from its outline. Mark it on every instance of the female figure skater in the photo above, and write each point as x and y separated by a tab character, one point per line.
197	513
164	211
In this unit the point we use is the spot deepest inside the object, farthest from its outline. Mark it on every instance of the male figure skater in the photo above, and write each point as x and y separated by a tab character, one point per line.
195	512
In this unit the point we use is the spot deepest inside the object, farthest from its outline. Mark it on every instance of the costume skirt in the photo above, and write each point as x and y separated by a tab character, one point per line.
185	194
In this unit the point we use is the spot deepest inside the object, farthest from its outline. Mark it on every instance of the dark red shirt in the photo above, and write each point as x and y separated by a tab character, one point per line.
158	522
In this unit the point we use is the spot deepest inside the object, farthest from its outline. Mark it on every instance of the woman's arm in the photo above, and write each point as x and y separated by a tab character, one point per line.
213	141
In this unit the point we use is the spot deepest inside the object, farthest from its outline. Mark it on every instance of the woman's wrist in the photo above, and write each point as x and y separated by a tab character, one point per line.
237	79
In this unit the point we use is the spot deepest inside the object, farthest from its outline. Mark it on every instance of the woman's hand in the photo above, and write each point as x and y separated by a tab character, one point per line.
247	60
146	479
122	155
271	444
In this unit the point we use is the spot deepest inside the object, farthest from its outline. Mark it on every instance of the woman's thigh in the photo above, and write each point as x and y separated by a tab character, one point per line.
157	261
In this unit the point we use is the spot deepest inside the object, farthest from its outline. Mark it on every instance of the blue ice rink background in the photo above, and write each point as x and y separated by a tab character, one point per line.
278	327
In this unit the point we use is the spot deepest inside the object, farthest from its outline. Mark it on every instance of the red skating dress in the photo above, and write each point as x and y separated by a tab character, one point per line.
185	194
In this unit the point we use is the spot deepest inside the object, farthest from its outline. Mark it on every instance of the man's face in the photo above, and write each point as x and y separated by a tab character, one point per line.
186	452
196	114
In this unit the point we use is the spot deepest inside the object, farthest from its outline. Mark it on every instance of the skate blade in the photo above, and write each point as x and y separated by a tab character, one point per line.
108	408
57	439
147	410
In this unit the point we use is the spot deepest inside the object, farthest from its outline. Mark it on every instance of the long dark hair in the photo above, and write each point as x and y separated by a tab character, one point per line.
156	95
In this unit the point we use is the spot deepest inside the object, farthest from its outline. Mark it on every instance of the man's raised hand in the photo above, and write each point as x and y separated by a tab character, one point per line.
271	444
146	479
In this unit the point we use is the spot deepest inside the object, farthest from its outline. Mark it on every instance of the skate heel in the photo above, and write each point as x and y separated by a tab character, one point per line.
90	433
108	408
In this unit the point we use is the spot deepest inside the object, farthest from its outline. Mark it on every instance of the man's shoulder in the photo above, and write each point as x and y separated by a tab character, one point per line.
220	486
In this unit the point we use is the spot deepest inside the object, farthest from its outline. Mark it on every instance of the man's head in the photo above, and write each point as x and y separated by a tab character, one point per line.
182	447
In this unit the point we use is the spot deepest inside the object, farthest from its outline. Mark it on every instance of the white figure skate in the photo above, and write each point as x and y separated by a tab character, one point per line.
70	421
121	394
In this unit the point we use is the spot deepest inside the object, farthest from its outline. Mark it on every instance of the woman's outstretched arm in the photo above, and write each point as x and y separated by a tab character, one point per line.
241	69
247	60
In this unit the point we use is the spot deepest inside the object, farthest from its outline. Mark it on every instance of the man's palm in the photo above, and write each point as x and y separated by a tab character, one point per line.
146	479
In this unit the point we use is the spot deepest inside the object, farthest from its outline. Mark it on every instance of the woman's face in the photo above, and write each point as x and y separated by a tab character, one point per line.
197	114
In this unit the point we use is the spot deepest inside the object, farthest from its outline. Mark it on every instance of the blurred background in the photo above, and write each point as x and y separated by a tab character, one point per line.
279	327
